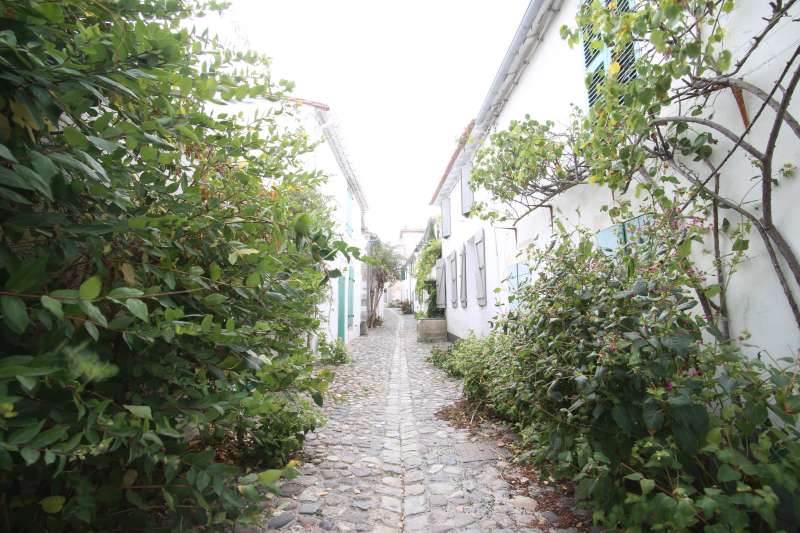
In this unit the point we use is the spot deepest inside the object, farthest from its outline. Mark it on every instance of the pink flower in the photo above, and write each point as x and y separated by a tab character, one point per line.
669	385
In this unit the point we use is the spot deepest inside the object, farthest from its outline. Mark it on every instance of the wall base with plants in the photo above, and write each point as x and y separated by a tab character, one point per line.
612	378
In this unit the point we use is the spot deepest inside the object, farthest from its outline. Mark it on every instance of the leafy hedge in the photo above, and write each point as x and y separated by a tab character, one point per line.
611	377
160	266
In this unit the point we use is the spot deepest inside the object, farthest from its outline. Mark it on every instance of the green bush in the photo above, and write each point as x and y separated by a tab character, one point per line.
433	310
333	352
161	265
612	377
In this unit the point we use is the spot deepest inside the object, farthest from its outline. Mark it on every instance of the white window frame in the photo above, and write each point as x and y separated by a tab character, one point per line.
446	222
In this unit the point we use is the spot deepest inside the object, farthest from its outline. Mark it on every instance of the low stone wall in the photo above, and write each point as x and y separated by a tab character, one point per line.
432	330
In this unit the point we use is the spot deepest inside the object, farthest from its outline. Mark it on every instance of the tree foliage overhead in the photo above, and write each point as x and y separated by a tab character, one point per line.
431	252
159	271
386	268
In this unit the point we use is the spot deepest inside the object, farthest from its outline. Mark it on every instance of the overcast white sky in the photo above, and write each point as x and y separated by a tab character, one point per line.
403	78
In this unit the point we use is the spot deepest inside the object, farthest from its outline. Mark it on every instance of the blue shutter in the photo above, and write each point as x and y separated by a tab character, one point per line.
610	239
633	229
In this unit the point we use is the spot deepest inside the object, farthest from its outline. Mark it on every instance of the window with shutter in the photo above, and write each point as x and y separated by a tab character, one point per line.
467	196
597	57
441	301
463	276
480	271
517	275
453	279
611	238
446	217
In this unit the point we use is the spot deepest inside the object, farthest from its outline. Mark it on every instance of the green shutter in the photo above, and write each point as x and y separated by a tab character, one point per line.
351	282
341	313
598	60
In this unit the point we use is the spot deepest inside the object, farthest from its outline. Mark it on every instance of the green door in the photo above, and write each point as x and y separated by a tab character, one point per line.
351	282
341	307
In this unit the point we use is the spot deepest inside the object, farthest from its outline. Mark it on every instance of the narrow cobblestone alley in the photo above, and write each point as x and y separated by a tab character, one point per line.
384	462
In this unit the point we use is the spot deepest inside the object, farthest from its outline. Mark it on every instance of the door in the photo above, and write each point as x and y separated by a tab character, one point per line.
341	308
351	282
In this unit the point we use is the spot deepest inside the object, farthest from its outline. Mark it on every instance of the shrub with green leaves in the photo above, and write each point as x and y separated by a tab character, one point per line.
613	378
160	263
332	352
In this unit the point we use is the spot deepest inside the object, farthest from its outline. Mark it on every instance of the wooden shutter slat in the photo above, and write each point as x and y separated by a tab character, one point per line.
463	276
480	274
441	301
453	279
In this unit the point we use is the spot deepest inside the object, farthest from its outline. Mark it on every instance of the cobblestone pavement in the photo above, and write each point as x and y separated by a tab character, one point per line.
384	462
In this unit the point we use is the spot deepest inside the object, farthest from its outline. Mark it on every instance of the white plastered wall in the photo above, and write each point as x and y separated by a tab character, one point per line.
552	83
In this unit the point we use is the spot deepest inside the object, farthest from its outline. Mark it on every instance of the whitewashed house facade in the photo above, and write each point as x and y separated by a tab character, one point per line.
344	309
542	76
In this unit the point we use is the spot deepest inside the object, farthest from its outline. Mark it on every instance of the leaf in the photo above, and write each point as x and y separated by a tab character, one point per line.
647	485
141	411
129	274
52	504
43	165
740	245
37	182
46	438
13	196
130	477
25	434
5	153
253	279
92	330
269	477
302	225
317	397
28	275
11	179
90	289
121	293
202	481
104	145
30	455
15	314
54	14
138	308
652	415
214	299
74	137
93	312
726	474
